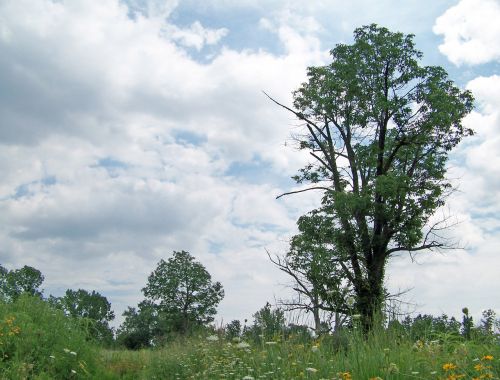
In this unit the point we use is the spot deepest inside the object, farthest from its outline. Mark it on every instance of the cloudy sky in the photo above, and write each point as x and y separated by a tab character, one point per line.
129	129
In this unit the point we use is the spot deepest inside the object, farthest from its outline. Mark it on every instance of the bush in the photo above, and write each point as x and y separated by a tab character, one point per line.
38	341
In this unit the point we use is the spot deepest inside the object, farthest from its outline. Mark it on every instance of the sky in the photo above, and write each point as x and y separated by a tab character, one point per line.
130	129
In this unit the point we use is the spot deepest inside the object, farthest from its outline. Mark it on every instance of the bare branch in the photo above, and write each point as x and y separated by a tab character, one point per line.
301	191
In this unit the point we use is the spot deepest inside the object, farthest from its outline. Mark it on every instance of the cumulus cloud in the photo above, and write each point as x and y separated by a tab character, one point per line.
471	32
116	143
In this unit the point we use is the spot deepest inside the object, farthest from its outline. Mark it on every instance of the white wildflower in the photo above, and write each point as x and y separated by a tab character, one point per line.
52	356
66	350
73	371
212	338
243	345
247	377
72	353
314	348
311	370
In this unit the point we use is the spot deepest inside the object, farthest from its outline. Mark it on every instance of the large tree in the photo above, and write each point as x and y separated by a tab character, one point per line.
183	291
379	127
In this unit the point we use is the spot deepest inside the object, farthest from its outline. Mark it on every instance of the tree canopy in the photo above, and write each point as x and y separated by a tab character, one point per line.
183	291
91	306
15	282
379	127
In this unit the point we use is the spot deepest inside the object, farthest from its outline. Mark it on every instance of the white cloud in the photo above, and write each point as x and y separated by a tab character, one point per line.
97	185
471	32
196	35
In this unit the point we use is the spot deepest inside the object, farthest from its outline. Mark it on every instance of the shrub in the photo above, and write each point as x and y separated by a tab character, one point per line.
38	341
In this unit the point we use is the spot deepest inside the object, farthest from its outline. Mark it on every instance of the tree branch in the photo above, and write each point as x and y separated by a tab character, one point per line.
301	191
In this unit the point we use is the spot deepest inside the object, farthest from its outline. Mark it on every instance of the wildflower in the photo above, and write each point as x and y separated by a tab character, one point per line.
314	348
479	367
449	366
487	357
212	338
345	375
243	345
66	350
52	356
433	372
311	370
72	353
247	377
73	371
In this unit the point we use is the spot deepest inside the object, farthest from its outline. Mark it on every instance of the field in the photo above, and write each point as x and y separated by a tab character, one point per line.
38	342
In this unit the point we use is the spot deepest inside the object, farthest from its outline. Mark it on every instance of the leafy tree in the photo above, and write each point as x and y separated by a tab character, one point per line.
268	323
92	307
379	127
16	282
184	292
140	326
317	278
233	329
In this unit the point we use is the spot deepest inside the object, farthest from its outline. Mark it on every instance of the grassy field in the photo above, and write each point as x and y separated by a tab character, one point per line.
381	356
38	342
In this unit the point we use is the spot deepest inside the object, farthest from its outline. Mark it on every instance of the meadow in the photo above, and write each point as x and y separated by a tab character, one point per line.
39	342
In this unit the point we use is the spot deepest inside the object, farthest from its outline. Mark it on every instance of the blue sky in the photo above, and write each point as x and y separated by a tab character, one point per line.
131	129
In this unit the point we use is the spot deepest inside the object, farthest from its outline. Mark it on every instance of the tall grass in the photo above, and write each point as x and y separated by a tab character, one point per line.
382	355
39	342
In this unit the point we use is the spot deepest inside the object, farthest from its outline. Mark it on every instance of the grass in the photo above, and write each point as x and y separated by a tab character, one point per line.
38	342
381	356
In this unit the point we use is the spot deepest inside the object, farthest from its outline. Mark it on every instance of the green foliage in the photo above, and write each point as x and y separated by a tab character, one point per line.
16	282
233	329
91	309
184	292
379	127
351	355
428	327
268	324
40	342
180	299
140	326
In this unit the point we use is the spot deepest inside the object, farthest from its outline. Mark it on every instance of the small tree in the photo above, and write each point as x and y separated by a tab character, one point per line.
16	282
379	128
233	329
92	307
140	327
317	277
184	292
267	323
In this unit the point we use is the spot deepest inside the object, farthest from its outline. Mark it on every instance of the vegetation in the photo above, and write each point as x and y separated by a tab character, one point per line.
379	127
91	308
180	299
40	341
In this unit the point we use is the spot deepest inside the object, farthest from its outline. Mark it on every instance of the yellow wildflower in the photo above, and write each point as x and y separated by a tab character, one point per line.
479	367
487	357
449	366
